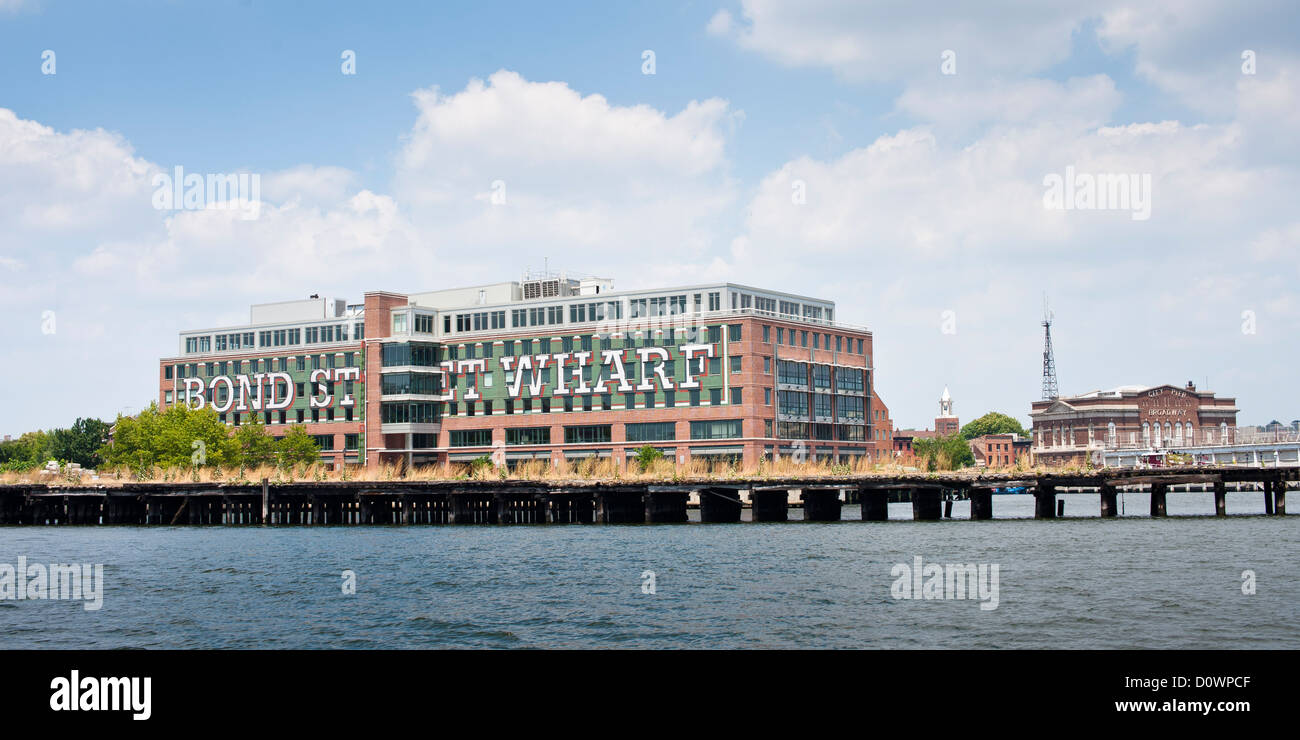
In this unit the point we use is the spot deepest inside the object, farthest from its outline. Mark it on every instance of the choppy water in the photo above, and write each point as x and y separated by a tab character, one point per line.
1075	582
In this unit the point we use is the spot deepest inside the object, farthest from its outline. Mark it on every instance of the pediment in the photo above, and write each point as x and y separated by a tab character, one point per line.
1058	407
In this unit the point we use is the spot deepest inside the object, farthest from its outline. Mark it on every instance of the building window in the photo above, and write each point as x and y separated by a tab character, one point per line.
651	432
470	438
405	412
528	436
721	429
794	373
587	434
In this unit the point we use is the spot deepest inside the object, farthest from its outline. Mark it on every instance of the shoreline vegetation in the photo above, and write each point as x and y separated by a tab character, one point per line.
660	470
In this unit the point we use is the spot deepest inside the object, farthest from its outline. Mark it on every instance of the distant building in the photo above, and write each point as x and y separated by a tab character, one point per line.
945	423
1072	429
1000	450
882	430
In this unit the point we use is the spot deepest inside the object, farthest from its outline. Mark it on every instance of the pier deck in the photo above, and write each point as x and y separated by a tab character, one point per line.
607	502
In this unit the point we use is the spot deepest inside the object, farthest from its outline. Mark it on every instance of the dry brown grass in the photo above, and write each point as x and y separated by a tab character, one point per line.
585	469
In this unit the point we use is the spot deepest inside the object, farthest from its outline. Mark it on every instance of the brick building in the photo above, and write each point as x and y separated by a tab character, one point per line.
945	423
548	367
1074	429
1000	450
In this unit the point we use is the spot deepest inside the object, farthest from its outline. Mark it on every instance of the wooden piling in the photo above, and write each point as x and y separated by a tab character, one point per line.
925	504
720	505
1109	501
821	504
1045	501
875	504
667	507
1159	490
769	505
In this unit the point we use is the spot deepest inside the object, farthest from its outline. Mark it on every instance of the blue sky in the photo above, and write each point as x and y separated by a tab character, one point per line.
924	188
259	83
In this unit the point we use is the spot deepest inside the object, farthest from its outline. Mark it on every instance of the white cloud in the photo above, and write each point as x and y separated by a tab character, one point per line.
76	217
720	23
637	191
960	104
308	184
1194	50
1191	50
78	182
913	225
888	41
577	177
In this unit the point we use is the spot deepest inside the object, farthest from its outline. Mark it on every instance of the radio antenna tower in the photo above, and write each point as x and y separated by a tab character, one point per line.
1050	390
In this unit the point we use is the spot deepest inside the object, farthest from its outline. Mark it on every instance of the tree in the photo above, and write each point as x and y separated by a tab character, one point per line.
31	450
80	443
178	437
992	423
647	455
254	446
944	453
297	447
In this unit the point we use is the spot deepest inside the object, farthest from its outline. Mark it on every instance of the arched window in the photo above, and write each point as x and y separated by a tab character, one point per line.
1191	434
1169	433
1146	433
1110	434
1223	433
1178	434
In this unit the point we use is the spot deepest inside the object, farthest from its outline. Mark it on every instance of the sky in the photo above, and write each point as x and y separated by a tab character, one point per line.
923	165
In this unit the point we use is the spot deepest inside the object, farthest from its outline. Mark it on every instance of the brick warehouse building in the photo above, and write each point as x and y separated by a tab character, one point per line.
544	368
1073	429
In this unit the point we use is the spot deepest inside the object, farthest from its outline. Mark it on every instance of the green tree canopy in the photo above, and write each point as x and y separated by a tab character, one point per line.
177	437
646	456
992	423
31	450
943	453
80	443
254	445
297	447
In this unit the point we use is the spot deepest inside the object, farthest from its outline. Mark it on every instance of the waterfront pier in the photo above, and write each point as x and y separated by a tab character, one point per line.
611	502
